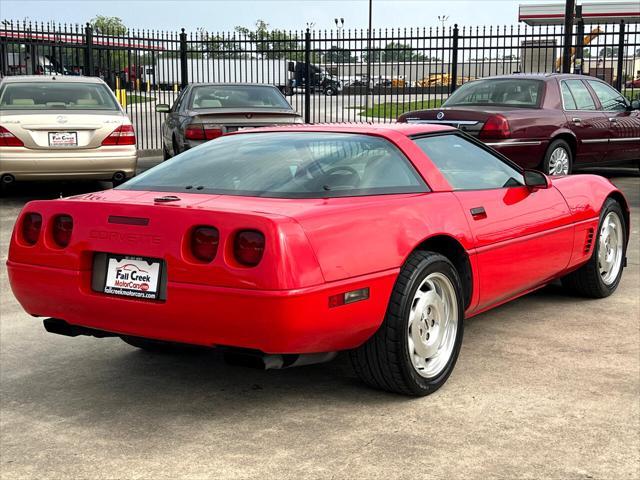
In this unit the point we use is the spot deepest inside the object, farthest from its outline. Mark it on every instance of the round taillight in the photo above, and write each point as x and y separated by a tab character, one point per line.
31	225
62	229
204	243
248	247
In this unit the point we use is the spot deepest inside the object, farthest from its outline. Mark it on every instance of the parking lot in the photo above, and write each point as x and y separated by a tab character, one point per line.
545	386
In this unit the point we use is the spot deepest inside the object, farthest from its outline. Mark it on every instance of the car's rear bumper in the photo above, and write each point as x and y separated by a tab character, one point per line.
100	163
282	321
525	152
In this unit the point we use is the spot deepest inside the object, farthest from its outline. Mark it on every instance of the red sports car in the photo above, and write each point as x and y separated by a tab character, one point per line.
553	122
290	244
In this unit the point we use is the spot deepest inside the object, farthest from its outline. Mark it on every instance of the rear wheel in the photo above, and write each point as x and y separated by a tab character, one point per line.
416	347
600	276
558	159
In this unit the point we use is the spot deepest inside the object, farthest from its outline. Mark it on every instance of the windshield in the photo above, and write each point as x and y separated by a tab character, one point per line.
223	96
286	165
56	96
508	92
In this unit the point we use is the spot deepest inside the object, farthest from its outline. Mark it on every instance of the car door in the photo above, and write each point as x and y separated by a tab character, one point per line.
523	237
624	123
590	126
172	122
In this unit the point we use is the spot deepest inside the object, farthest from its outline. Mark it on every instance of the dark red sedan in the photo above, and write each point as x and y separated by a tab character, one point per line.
553	122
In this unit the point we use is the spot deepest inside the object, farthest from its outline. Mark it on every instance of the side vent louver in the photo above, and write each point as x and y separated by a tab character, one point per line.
589	241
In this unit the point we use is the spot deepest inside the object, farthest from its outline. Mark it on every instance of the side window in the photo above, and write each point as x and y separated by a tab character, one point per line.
581	95
567	97
610	99
178	102
467	166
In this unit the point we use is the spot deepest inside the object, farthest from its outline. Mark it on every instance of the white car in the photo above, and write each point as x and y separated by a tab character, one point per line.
59	127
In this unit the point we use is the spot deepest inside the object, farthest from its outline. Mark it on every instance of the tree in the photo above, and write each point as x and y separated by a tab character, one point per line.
108	25
339	55
607	52
273	44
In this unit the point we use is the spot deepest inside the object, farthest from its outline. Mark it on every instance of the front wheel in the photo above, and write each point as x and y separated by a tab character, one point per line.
416	347
558	159
600	276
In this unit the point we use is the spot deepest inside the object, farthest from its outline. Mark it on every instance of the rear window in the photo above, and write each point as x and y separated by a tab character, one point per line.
286	165
56	96
222	96
525	93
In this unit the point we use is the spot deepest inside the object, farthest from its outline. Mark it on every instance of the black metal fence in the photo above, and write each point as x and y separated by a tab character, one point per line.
328	75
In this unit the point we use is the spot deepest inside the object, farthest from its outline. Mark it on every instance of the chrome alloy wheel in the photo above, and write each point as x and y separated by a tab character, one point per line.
610	248
559	162
433	324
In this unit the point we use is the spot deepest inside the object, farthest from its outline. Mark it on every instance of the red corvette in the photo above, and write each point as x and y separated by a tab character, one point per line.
290	244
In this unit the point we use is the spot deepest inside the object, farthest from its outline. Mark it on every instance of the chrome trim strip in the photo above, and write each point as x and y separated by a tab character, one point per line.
516	143
595	140
626	139
448	122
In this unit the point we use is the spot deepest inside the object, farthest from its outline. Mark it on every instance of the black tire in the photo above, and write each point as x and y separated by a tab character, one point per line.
329	92
159	346
165	153
383	362
587	281
555	145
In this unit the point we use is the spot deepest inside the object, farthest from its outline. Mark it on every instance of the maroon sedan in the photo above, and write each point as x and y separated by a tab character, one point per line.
553	122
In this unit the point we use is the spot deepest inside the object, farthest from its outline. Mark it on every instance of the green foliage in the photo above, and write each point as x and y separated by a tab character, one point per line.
393	110
339	55
108	25
273	44
397	52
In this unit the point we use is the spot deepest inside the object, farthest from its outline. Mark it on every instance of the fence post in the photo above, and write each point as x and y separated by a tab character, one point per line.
568	35
454	59
184	71
307	76
619	79
578	66
88	50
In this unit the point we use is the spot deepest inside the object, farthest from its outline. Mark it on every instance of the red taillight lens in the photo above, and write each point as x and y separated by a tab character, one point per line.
199	131
495	127
123	135
248	247
62	229
8	139
31	225
204	243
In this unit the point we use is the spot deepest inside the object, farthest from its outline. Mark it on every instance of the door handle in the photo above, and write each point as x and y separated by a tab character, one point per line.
478	213
613	119
576	120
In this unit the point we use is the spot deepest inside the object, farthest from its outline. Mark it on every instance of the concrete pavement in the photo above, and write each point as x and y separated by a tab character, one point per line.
547	386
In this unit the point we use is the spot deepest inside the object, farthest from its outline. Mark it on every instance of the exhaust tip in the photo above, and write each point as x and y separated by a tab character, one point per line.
7	179
119	177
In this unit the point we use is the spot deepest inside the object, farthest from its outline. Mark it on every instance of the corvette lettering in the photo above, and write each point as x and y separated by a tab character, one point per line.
133	238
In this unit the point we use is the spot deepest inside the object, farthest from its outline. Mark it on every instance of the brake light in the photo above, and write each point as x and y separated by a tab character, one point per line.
200	131
248	247
62	229
8	139
31	225
123	135
495	127
204	243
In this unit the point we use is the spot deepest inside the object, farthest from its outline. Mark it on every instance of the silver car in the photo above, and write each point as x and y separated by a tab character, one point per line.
62	127
206	111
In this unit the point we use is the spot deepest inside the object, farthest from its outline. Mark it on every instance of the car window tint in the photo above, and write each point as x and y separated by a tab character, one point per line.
581	95
467	166
567	98
287	165
513	92
57	96
236	96
610	99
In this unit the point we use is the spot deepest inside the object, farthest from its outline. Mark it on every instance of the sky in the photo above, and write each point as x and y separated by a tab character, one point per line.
224	15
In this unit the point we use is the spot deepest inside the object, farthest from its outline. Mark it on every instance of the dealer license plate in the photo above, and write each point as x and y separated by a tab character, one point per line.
63	139
134	277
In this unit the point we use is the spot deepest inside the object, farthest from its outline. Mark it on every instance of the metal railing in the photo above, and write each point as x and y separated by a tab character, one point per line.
323	72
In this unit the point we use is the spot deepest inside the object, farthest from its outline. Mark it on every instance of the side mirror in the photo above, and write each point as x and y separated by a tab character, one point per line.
635	104
536	180
162	108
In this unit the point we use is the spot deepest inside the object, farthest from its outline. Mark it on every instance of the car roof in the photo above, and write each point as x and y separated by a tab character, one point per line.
51	78
230	84
536	76
383	129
